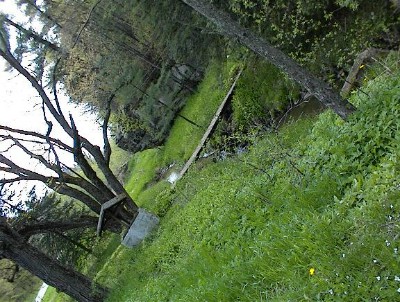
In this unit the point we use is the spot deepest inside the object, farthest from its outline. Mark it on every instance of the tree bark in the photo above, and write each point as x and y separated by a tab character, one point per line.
27	230
320	89
69	281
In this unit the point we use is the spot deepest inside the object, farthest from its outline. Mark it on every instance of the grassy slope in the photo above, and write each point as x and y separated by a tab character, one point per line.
183	137
318	219
320	223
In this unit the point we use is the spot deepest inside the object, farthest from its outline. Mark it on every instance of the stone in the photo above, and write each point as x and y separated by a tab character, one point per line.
144	223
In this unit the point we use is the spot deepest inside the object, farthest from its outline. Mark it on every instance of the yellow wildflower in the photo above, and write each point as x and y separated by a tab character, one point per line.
312	271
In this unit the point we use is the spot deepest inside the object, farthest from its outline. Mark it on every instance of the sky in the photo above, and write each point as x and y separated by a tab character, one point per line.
20	107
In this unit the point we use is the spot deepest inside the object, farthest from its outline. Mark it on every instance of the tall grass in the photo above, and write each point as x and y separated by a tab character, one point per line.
318	219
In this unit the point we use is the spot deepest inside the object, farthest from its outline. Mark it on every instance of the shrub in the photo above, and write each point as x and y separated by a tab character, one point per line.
259	96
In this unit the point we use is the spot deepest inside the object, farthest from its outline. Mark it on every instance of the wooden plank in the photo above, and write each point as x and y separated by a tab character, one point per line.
113	201
209	129
100	223
104	207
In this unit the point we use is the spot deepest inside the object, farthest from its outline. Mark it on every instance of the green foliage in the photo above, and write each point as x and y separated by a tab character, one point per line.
184	37
324	35
123	52
160	104
369	136
259	95
352	4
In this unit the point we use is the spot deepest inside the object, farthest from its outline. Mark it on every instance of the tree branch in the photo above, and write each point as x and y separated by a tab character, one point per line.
30	228
84	24
107	146
57	142
33	35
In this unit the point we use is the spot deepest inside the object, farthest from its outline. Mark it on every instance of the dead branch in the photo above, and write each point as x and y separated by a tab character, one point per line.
57	142
107	146
357	66
85	24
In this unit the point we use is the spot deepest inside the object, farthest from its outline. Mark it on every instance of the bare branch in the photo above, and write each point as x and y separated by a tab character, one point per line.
49	129
84	24
8	56
107	147
52	226
41	159
55	87
31	34
57	142
12	180
85	166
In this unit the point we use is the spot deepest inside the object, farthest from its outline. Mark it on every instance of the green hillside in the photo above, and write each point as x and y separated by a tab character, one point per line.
307	213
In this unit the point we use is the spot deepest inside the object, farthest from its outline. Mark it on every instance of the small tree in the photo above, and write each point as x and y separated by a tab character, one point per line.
89	188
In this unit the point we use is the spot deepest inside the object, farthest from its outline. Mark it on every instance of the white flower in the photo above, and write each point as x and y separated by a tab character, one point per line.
397	278
378	278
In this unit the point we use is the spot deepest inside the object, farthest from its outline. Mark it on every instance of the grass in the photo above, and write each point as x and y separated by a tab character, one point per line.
320	223
184	136
53	296
307	214
200	108
142	167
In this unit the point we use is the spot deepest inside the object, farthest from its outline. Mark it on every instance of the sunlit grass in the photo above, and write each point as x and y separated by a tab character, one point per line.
200	108
184	136
53	296
307	214
304	229
142	168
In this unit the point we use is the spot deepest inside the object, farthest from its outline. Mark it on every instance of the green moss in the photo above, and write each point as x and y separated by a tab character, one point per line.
259	95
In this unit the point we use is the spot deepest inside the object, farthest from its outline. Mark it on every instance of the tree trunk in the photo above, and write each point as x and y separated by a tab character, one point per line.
67	280
321	90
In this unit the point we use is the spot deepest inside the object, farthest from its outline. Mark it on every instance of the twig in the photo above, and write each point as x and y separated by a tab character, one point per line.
86	23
